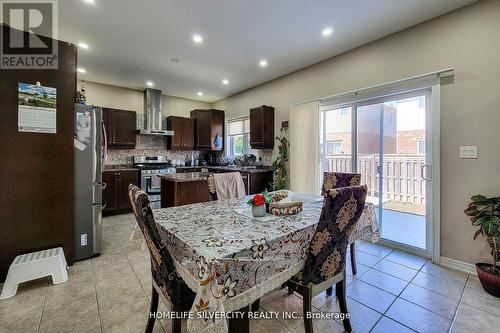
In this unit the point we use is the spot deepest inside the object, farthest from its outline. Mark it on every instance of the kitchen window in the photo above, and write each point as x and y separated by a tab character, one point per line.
238	138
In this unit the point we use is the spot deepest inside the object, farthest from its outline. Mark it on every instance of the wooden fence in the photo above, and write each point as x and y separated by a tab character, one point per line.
401	175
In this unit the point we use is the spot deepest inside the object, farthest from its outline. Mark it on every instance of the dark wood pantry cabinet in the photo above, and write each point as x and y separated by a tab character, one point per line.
120	128
115	194
208	129
37	169
262	127
183	133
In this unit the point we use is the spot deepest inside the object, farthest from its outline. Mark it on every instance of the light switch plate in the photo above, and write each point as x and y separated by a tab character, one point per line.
468	151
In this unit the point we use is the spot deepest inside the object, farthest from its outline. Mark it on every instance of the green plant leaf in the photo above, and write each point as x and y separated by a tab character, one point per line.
490	229
471	210
480	221
479	199
478	232
495	220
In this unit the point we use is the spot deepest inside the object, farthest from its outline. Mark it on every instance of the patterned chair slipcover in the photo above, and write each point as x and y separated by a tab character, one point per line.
163	270
326	256
333	180
212	192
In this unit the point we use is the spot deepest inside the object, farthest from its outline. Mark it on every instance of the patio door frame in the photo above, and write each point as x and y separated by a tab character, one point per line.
431	84
427	252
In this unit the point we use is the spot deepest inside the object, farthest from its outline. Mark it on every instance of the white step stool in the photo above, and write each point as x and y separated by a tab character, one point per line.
31	266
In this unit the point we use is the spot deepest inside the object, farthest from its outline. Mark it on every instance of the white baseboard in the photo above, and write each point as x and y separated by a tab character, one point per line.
458	265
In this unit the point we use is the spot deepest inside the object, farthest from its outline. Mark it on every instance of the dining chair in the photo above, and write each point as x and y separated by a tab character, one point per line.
212	192
326	254
333	180
166	281
233	185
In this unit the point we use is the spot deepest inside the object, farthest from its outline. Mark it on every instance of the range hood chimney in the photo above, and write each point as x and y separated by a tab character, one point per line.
152	114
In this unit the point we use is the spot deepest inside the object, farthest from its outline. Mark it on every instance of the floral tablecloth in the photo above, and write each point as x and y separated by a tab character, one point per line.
230	260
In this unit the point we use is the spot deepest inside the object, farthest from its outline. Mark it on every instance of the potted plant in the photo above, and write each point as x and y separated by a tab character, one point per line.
280	175
258	203
485	214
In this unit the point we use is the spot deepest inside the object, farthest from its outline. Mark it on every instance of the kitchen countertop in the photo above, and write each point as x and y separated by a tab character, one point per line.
258	169
185	177
120	167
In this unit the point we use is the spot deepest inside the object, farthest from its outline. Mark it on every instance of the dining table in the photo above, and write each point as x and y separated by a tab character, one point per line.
230	259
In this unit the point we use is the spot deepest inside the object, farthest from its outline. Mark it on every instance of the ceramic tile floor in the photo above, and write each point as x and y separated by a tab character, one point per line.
392	292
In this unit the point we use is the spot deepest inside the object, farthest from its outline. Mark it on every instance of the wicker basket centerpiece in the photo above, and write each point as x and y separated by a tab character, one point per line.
282	203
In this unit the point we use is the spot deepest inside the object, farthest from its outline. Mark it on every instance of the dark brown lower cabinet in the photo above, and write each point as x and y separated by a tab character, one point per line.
115	195
183	193
258	182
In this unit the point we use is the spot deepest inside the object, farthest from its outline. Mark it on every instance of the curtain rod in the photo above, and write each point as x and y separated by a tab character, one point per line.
437	74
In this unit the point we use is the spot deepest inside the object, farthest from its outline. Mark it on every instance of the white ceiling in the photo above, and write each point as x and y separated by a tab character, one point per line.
132	41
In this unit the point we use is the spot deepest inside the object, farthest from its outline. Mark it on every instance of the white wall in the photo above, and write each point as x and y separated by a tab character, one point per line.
466	40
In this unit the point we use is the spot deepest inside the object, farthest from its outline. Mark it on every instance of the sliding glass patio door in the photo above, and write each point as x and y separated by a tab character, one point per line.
385	140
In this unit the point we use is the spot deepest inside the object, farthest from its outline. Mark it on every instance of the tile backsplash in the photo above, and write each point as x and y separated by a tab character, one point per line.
266	154
148	145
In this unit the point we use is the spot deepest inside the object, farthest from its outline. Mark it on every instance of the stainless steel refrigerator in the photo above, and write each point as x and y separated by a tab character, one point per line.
89	157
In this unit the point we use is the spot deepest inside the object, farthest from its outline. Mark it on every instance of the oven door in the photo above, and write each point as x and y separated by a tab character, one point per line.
151	184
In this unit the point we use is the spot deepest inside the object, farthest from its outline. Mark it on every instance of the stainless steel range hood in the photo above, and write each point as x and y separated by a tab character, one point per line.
152	114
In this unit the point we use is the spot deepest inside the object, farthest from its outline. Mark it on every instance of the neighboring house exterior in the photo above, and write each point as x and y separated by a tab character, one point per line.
404	129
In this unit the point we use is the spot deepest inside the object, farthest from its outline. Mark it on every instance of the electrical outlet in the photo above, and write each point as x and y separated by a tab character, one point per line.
83	240
468	152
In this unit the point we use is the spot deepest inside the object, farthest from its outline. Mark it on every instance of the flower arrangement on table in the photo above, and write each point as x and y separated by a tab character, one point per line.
258	203
277	203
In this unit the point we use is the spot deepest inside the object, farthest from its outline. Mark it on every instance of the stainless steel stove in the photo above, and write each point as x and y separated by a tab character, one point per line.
151	167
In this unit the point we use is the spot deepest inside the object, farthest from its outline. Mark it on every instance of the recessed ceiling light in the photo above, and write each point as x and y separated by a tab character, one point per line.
327	31
83	45
81	70
263	63
225	82
89	1
200	93
149	83
197	39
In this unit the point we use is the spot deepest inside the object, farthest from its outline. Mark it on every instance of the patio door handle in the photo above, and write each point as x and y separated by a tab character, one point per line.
424	172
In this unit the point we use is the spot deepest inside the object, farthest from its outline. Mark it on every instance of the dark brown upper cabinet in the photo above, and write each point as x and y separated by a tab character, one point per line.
262	127
208	129
120	128
183	133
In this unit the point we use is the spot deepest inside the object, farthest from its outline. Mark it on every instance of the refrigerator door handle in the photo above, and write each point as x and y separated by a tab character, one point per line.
102	184
105	148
